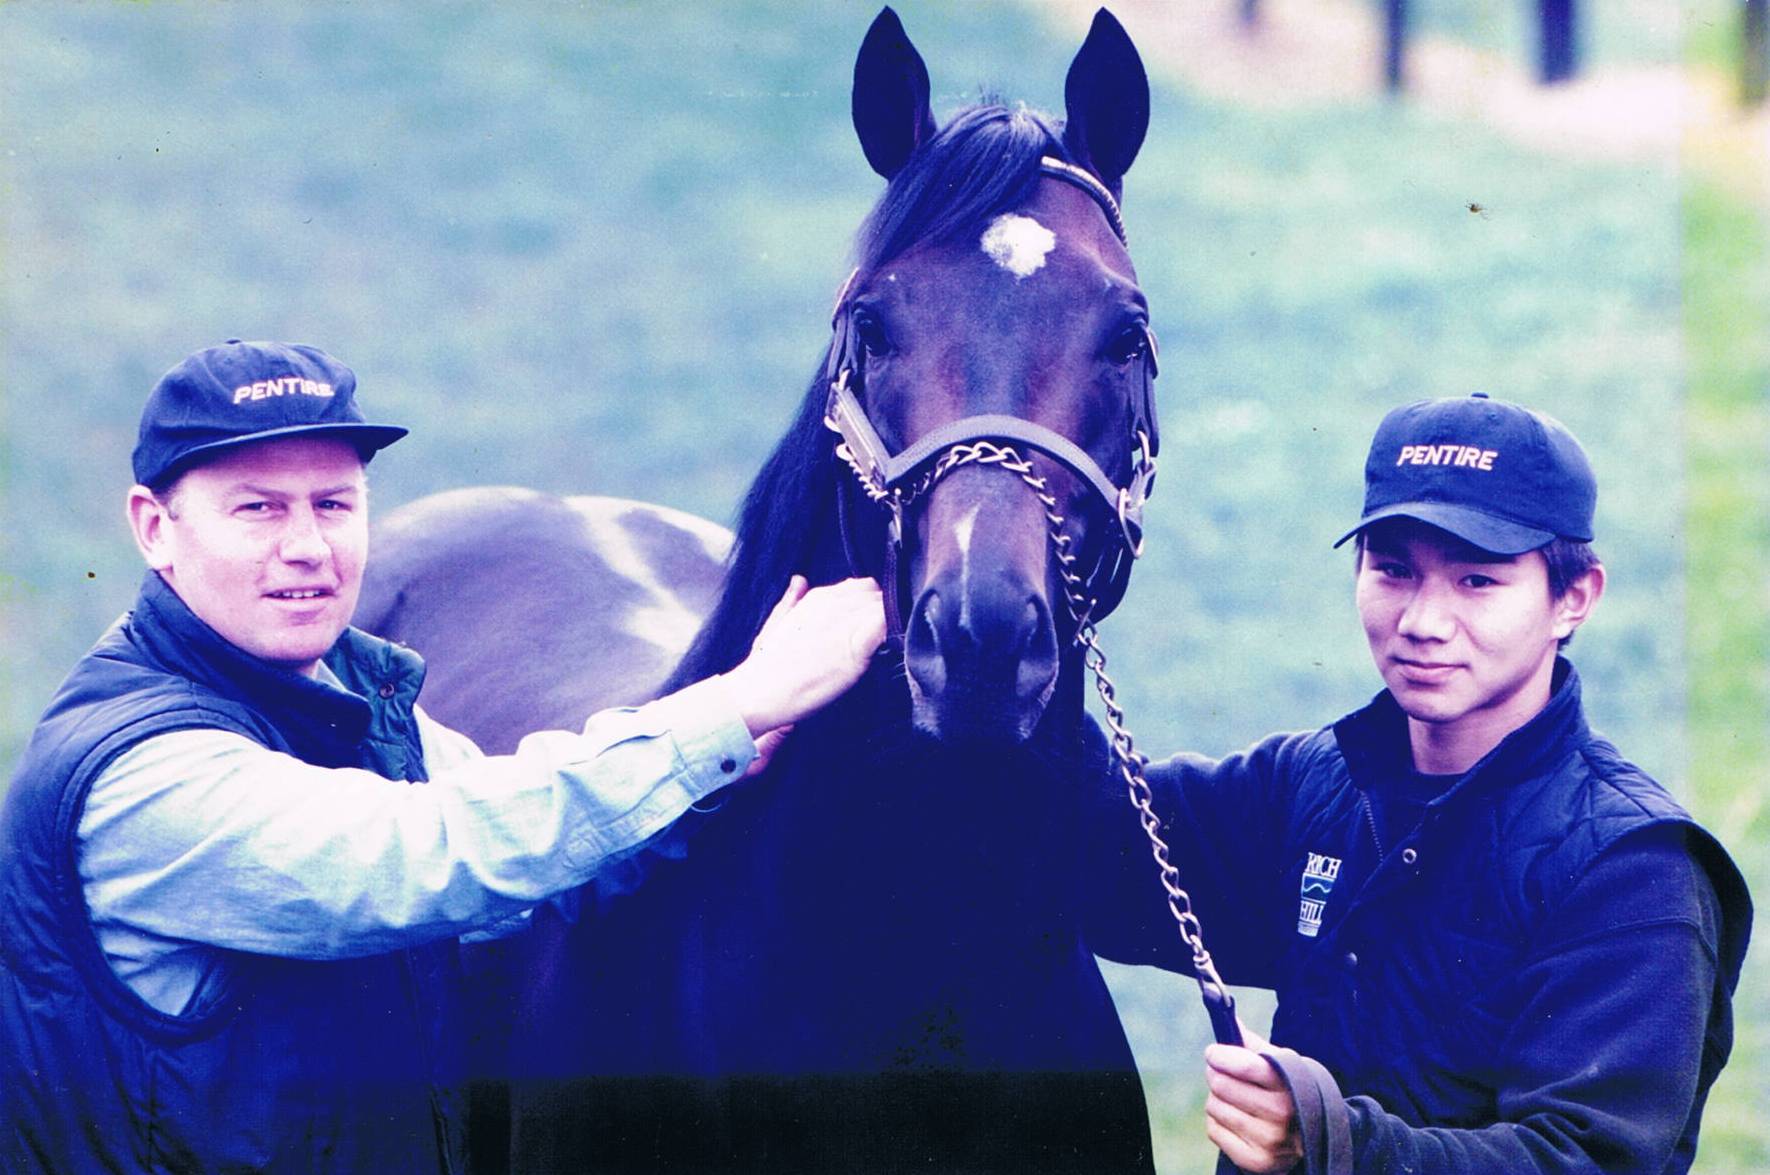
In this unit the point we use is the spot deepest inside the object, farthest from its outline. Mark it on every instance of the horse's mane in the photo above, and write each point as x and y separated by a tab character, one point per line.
984	161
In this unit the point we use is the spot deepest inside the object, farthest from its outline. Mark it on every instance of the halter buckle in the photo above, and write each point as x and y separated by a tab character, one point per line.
860	446
1132	497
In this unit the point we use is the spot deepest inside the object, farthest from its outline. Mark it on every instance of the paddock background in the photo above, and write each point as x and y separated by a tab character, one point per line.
591	247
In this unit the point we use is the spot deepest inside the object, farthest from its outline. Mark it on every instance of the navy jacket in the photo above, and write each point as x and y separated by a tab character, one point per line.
1536	977
281	1065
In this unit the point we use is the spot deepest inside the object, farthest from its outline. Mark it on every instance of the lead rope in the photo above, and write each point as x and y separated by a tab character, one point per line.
1219	1003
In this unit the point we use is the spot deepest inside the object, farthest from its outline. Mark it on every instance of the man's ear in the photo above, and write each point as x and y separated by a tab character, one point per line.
1578	601
148	517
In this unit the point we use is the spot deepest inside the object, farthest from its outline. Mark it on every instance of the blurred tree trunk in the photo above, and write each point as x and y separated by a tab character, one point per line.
1560	53
1394	44
1754	72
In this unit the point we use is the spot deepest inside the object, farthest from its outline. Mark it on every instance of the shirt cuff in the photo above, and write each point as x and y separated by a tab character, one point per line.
712	741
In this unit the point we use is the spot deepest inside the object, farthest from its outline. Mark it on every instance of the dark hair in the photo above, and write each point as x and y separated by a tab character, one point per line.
165	490
1568	560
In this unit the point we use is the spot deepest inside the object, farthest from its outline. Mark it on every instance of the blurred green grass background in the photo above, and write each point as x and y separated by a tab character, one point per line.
591	248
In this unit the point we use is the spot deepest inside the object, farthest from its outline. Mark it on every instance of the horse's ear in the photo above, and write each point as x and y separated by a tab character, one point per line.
1107	101
890	102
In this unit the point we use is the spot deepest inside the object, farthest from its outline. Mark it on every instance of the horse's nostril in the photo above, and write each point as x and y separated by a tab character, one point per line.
929	614
922	647
1037	668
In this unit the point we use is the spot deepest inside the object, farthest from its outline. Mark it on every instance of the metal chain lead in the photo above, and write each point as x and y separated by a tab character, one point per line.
1131	762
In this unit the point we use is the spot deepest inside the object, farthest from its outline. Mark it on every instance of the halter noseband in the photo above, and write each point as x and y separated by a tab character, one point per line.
885	477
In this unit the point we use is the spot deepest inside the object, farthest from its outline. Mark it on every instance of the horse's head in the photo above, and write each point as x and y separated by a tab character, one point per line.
995	308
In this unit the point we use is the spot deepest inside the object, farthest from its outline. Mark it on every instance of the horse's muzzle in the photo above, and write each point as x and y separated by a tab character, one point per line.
982	659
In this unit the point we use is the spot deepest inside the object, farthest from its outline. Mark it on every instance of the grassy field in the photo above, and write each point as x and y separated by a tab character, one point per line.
592	247
1727	305
1729	554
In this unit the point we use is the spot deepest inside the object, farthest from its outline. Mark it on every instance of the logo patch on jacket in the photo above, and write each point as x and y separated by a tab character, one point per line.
1318	881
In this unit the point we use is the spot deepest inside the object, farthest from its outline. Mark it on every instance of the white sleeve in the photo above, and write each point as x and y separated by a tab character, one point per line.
444	748
205	836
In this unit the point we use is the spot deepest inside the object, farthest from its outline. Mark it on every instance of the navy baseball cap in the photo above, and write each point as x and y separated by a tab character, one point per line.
238	392
1498	475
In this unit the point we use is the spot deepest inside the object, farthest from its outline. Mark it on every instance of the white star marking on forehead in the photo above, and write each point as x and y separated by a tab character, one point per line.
1018	244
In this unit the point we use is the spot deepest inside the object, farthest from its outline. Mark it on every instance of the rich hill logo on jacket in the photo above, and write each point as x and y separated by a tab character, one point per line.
1318	881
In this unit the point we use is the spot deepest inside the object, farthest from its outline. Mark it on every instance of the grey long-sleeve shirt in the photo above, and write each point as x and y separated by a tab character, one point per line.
199	842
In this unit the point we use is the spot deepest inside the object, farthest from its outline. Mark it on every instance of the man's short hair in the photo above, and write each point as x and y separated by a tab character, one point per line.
1568	560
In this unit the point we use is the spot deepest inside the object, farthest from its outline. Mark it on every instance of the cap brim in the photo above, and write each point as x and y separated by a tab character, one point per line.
1499	536
368	438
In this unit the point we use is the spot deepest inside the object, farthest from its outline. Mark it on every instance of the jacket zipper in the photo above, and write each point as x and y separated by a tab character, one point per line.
1370	822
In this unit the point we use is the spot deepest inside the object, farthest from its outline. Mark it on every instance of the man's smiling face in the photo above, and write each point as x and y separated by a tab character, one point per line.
265	543
1465	639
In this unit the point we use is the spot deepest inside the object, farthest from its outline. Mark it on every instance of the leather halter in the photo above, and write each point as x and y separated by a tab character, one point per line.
885	477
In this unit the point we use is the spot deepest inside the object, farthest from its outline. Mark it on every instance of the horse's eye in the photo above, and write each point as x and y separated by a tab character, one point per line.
871	333
1129	345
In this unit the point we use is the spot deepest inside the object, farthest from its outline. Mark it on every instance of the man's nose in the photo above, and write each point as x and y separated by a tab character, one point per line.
302	540
1428	615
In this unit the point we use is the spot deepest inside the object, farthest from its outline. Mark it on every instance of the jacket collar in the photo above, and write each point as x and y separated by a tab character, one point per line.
322	723
1375	742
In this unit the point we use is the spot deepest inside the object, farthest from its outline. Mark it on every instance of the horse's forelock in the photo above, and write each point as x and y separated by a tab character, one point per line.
981	163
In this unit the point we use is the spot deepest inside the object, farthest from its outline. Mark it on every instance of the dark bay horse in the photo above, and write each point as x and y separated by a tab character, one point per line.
879	955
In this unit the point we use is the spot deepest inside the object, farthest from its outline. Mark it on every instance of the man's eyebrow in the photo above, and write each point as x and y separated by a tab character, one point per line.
246	487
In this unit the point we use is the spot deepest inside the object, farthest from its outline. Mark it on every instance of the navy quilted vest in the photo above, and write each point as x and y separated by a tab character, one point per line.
1461	900
284	1064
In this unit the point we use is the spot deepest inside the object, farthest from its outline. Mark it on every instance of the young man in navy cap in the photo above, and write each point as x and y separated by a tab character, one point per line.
227	916
1506	947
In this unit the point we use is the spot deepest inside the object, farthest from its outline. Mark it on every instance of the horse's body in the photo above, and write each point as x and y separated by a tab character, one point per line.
590	600
879	954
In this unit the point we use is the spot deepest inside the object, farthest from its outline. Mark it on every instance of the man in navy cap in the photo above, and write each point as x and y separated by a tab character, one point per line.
227	915
1497	945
